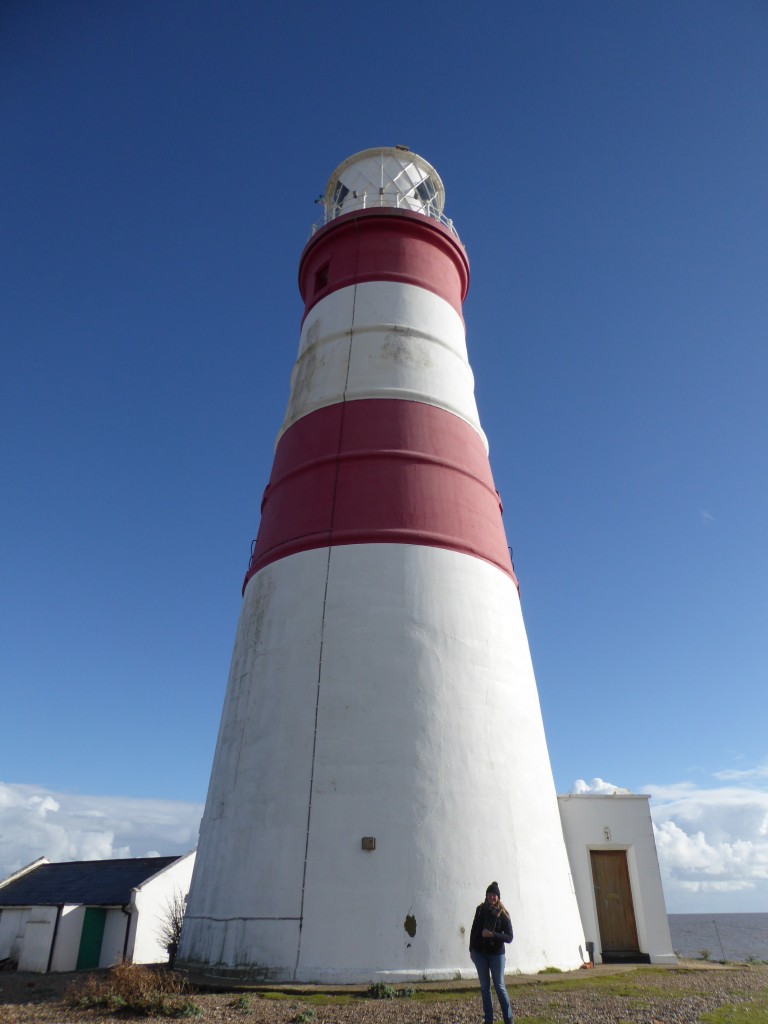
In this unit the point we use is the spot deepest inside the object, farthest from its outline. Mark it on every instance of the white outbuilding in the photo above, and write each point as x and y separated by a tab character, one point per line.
85	914
615	868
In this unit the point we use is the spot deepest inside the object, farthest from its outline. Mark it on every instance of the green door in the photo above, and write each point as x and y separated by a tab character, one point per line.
90	938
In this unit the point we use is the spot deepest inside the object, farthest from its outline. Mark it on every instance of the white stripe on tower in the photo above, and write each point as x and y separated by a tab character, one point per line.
383	340
381	684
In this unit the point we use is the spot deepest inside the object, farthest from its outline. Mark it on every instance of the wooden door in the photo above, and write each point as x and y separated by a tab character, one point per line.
613	899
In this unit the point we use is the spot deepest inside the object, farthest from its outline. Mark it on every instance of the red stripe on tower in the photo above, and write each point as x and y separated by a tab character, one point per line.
380	472
384	245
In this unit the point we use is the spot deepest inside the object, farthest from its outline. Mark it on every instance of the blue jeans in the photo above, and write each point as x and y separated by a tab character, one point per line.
492	967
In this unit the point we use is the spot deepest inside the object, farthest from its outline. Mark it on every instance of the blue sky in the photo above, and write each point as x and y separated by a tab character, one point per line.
605	164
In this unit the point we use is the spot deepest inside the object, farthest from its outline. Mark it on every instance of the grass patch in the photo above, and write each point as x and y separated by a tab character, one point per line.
131	988
666	970
330	999
627	988
753	1012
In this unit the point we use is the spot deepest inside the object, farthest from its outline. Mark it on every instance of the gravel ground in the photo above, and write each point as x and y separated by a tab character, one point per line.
604	996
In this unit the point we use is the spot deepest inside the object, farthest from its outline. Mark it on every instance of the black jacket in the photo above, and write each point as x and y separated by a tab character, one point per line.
499	924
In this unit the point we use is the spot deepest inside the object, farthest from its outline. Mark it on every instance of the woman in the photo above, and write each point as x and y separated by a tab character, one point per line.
491	928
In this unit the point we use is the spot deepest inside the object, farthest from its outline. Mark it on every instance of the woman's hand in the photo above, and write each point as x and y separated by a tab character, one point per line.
487	933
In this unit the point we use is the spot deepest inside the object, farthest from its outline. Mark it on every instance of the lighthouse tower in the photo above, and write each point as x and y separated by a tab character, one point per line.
381	756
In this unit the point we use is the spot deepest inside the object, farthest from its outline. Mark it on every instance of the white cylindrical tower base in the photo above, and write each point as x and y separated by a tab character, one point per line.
379	706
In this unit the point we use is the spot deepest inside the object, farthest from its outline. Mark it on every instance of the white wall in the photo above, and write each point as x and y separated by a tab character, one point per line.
627	818
13	921
113	942
151	901
68	938
429	737
27	935
408	344
38	935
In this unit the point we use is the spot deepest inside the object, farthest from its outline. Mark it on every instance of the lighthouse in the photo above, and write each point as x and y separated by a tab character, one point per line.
381	755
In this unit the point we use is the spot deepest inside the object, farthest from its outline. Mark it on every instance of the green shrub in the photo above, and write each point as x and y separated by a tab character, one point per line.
241	1002
380	990
304	1017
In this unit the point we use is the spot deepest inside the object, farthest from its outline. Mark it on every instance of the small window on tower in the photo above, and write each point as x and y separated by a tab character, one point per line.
321	278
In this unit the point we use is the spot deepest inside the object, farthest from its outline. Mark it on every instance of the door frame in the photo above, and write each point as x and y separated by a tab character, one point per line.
637	909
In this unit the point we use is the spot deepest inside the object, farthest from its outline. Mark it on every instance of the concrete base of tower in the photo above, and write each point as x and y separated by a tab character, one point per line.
381	760
223	975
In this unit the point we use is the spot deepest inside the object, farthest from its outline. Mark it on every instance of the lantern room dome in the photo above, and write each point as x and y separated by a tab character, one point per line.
390	176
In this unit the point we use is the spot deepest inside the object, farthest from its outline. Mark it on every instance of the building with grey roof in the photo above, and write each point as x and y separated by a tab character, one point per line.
85	914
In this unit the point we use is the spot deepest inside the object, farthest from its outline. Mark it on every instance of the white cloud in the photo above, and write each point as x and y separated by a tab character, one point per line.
37	822
712	841
597	785
706	517
739	775
712	844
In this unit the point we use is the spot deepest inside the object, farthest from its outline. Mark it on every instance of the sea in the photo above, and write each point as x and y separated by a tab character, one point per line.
720	936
